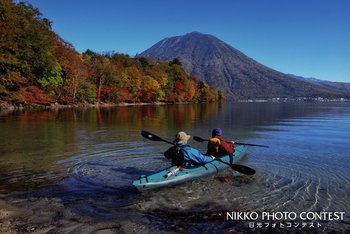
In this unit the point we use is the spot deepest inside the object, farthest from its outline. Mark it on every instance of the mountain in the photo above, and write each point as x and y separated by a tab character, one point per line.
226	68
341	87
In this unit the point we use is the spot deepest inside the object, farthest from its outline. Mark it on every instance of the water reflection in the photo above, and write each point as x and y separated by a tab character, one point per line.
32	142
87	158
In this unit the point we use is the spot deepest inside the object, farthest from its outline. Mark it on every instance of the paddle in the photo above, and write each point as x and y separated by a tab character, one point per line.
199	139
237	167
152	137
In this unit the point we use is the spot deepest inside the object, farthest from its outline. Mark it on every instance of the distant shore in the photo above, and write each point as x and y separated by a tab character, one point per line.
297	99
54	106
8	107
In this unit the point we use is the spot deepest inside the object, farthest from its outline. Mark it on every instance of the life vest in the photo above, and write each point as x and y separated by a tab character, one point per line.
214	146
218	147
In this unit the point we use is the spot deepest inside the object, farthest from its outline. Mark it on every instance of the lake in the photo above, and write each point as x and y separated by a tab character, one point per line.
70	170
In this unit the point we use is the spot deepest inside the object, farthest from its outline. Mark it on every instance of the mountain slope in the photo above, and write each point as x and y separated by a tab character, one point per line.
340	87
226	68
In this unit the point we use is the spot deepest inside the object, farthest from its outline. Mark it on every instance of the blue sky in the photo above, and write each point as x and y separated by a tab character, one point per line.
310	38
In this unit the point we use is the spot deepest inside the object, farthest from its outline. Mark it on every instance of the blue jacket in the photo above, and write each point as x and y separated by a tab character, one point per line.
183	154
192	154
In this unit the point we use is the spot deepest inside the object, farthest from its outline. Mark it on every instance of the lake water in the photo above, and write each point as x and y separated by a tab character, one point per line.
71	170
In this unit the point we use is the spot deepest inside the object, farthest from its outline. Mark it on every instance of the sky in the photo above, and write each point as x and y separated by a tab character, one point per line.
309	38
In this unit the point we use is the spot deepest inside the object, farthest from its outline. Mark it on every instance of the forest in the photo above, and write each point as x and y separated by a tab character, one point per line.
37	66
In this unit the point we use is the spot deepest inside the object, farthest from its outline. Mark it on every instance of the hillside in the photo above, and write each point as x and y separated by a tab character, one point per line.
340	87
39	67
227	69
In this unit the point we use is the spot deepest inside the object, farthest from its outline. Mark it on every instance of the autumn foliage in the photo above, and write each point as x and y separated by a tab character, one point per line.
39	67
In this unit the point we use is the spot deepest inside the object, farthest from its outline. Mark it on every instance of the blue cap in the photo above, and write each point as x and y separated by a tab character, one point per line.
216	132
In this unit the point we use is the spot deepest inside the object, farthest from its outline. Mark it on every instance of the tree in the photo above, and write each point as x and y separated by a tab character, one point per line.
175	61
220	95
74	71
149	89
144	62
38	66
26	49
101	73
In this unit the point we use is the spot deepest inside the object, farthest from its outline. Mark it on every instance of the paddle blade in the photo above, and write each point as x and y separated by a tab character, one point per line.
243	169
199	139
150	136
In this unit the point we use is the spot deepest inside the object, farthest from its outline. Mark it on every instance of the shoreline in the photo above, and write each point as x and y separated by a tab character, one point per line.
6	107
9	107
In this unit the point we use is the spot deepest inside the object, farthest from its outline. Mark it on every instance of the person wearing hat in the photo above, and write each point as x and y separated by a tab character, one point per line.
182	154
217	146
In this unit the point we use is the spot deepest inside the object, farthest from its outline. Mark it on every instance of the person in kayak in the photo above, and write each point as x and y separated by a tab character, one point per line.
217	146
182	154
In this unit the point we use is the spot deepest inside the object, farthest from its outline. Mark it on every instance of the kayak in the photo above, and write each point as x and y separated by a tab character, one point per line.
177	175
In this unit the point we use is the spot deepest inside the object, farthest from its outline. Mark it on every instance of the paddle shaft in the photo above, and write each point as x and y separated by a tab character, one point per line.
196	138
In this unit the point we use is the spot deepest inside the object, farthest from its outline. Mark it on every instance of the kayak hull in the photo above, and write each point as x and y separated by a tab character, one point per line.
164	178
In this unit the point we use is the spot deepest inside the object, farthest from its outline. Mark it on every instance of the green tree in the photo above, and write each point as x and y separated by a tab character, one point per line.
27	49
175	61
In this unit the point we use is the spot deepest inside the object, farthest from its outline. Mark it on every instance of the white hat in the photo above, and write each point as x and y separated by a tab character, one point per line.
181	138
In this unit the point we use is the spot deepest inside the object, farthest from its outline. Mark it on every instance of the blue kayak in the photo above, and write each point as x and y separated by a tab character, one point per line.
176	175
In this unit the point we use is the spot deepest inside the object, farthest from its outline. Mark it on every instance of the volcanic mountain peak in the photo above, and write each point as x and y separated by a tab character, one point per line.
226	68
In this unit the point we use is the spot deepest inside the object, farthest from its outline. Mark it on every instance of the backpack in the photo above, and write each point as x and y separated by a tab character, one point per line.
175	155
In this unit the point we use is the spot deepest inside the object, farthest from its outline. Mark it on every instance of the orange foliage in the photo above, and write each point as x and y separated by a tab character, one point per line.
33	56
104	93
123	95
33	95
75	70
178	86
